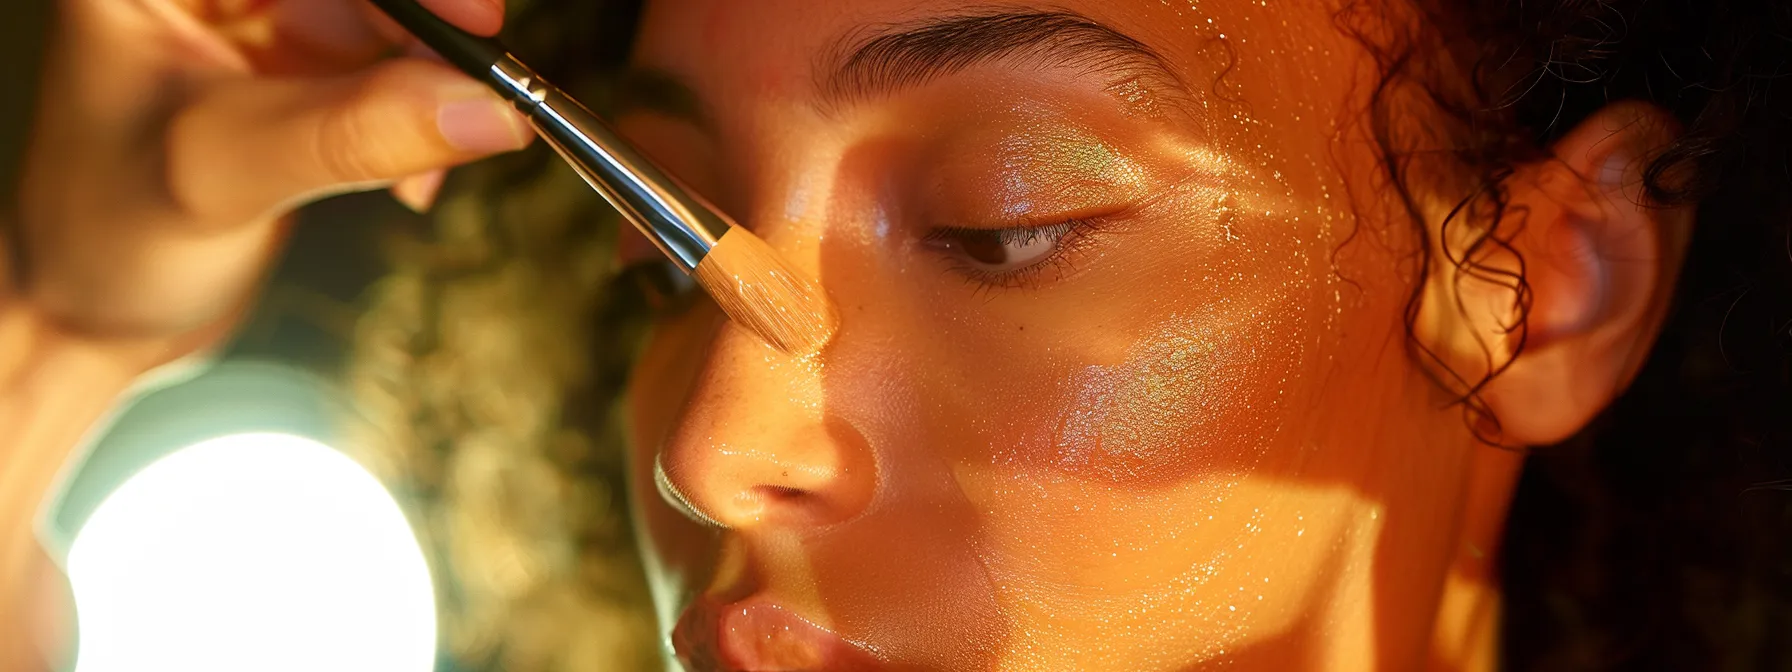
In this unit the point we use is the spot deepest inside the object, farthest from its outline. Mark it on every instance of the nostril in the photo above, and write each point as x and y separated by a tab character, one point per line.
779	494
787	505
761	502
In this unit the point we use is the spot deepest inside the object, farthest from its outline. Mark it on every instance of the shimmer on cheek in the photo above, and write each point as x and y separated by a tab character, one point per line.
1190	398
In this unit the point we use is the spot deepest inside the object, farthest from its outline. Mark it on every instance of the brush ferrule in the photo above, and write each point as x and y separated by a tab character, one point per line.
679	222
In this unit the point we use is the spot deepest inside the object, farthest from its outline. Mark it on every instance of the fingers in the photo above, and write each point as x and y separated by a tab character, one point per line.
310	37
248	148
479	17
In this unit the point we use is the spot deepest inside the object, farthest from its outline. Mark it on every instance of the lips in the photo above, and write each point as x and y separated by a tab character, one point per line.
759	636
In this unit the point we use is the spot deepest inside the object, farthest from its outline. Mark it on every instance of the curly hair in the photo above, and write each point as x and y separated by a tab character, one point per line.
1660	536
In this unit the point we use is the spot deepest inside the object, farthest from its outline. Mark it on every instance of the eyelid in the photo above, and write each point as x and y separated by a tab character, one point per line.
1059	263
1091	222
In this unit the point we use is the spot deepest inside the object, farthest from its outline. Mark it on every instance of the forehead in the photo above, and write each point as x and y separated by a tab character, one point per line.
769	50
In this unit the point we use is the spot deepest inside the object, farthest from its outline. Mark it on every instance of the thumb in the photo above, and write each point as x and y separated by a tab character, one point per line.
247	149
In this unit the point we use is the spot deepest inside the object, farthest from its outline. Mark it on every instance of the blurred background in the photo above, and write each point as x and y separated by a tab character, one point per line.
468	360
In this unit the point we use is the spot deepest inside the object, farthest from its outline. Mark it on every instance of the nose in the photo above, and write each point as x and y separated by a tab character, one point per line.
756	445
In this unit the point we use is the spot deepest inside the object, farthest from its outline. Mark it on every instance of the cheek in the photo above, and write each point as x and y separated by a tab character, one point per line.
1177	354
1127	431
1197	396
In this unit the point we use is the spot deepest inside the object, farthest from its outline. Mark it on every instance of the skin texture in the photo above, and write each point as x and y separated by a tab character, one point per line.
1194	436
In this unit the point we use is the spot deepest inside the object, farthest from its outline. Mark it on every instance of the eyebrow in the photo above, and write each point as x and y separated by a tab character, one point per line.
868	64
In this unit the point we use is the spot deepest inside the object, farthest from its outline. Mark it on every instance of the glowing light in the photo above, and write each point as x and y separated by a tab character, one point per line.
263	552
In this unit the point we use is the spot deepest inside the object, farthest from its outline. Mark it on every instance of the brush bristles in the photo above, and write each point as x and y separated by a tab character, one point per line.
757	290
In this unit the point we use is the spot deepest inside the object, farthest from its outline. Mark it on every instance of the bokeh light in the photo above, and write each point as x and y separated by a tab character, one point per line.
266	552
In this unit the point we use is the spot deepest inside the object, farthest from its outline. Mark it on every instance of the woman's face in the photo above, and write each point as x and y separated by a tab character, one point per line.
1111	389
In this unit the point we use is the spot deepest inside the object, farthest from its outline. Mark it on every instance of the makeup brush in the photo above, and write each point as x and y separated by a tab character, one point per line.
747	279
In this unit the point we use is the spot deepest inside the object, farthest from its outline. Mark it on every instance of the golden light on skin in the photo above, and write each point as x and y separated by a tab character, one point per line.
1137	97
1133	422
1145	410
1250	570
1061	169
1137	411
1140	446
797	580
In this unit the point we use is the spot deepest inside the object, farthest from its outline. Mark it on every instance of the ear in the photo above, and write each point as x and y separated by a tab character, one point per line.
1599	262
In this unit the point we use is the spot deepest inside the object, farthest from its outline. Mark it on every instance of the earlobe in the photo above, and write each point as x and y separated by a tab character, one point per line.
1600	263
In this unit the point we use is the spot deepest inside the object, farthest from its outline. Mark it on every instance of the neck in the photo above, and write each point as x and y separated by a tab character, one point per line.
1465	636
1418	585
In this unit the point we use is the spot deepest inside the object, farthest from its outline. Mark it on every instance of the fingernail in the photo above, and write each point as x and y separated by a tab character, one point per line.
418	192
481	124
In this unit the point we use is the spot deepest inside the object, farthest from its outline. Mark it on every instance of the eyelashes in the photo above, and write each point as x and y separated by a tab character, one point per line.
1017	257
1013	257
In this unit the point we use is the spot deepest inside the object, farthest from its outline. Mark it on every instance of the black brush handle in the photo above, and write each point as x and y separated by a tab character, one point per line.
471	53
683	225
